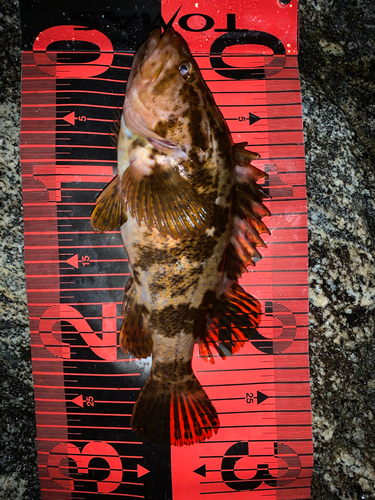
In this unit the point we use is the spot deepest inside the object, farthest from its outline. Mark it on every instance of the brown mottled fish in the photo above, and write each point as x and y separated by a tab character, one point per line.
190	213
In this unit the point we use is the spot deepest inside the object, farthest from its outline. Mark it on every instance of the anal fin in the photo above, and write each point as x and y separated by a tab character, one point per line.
109	212
135	336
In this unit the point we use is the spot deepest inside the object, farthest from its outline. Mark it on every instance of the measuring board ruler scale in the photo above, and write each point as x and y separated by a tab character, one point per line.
85	387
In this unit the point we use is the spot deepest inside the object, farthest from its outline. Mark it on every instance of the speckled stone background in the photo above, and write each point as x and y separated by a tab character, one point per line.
337	66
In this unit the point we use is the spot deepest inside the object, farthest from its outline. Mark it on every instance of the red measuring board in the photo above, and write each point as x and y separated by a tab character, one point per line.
75	68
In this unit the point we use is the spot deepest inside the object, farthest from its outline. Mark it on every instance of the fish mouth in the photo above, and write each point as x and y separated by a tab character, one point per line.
151	56
160	47
144	51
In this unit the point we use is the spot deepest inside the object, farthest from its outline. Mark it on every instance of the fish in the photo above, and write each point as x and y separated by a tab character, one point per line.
190	211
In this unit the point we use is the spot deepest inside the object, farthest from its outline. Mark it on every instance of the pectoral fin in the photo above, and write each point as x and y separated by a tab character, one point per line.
164	200
109	212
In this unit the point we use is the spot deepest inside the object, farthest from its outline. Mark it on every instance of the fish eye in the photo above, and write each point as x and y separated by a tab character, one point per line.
185	70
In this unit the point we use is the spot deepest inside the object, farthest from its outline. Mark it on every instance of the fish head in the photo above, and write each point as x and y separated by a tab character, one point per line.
167	100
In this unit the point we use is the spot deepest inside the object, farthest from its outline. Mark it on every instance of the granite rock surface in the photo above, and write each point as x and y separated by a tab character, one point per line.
337	67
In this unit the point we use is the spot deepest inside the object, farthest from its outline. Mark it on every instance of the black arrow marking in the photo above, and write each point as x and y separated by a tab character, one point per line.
253	118
201	470
261	397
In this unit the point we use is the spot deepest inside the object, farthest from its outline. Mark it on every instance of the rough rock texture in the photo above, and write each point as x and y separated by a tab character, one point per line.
337	66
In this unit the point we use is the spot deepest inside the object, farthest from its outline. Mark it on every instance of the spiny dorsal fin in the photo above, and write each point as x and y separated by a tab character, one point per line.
248	211
109	212
164	200
243	158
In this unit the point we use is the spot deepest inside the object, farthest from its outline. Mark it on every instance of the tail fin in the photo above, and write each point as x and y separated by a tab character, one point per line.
174	413
235	318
